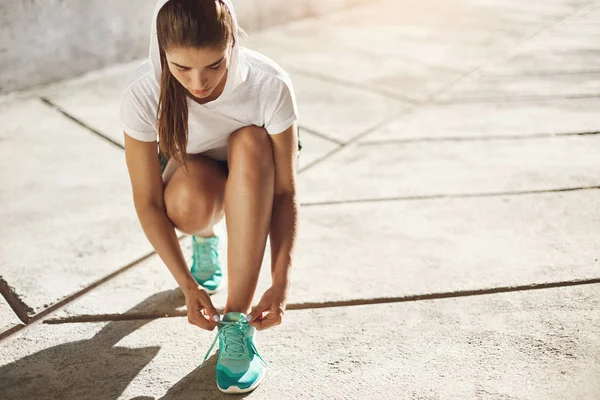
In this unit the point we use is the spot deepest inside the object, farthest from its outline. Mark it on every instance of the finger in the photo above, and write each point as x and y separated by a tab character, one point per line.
210	310
270	321
199	319
206	305
257	312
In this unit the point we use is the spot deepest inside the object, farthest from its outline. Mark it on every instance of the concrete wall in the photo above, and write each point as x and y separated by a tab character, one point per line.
43	41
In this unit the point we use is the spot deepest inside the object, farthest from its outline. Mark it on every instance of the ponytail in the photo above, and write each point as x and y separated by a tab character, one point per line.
172	115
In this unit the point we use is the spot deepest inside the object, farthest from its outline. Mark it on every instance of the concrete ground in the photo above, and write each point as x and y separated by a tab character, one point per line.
449	237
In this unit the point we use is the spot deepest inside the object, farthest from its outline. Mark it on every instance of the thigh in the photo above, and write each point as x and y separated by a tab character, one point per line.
202	181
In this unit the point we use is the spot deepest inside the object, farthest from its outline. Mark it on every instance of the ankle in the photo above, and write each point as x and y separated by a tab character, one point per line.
243	310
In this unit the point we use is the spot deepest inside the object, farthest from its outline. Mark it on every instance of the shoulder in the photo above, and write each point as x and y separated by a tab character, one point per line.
139	102
142	88
277	98
267	72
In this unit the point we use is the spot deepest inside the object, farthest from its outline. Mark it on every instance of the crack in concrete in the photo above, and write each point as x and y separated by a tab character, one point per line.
475	138
340	303
450	196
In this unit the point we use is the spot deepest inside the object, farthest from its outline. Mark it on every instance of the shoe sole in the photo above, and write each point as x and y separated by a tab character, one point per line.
217	289
237	390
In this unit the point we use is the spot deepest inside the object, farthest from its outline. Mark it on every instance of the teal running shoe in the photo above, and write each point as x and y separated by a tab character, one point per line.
206	265
240	368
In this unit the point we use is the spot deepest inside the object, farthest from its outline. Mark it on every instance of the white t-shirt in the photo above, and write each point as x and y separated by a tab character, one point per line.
265	98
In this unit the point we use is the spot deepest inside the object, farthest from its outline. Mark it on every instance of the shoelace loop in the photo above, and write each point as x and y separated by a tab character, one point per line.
234	342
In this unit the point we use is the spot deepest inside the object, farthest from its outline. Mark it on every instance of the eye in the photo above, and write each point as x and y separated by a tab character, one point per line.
182	69
215	67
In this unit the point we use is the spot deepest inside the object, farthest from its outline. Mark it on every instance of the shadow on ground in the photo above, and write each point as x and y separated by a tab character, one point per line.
94	369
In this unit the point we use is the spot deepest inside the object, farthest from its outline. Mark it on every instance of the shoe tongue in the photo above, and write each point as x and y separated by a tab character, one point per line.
234	317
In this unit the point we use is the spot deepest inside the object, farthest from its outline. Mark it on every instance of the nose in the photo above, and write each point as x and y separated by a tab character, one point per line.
199	81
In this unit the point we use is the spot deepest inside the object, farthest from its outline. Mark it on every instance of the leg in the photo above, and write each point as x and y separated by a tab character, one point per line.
194	201
248	205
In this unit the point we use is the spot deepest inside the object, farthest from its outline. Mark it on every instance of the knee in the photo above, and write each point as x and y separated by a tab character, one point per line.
252	145
189	211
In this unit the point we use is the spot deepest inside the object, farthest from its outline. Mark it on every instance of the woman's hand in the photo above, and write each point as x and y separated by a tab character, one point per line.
200	309
269	311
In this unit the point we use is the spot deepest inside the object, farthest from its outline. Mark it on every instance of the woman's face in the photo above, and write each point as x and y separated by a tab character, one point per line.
199	70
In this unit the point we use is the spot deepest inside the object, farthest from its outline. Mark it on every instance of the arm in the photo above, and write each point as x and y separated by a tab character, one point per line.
148	198
284	220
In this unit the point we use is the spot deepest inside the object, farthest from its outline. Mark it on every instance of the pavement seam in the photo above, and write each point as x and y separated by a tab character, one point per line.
450	196
374	90
320	135
515	98
540	74
33	320
356	138
15	302
342	303
80	123
476	138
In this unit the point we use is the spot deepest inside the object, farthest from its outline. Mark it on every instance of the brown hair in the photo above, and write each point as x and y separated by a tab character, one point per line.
179	24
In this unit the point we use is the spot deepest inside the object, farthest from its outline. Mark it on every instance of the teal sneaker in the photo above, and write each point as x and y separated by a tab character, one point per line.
206	265
240	368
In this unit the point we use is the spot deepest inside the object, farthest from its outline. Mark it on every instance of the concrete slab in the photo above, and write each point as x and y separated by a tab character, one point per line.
534	345
568	47
406	248
95	99
67	210
450	36
451	168
338	111
447	121
305	49
8	319
553	54
555	63
408	52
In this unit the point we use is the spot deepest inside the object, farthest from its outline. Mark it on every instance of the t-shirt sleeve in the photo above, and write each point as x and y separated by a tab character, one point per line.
282	111
135	119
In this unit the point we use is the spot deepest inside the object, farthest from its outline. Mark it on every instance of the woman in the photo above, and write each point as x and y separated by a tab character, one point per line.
225	119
